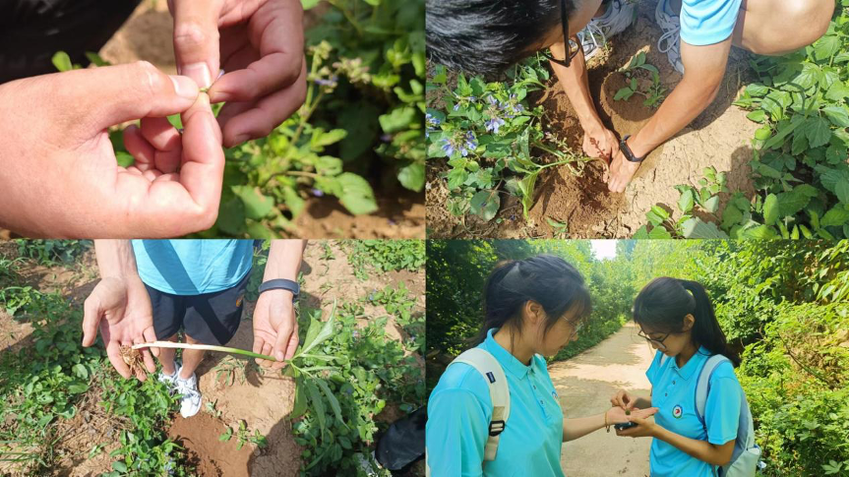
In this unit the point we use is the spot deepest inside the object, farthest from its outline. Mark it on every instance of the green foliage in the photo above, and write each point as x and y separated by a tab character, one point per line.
385	255
53	252
654	94
489	138
345	375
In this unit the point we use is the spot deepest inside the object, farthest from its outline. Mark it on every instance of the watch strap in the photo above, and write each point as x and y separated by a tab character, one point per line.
281	284
627	151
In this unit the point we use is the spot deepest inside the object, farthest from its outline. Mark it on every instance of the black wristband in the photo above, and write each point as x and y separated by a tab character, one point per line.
281	284
627	150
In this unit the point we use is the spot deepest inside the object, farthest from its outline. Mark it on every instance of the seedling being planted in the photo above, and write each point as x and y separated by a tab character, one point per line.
654	95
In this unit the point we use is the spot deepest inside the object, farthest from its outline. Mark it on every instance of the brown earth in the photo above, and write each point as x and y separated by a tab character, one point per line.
147	35
585	383
718	137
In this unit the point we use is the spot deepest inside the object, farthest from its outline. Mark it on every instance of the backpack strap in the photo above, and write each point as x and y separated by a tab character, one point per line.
703	384
494	376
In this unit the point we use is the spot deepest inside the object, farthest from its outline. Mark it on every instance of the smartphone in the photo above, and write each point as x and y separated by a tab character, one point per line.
624	425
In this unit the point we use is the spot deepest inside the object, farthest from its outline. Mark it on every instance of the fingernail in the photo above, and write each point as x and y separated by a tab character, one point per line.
199	72
185	87
240	139
279	355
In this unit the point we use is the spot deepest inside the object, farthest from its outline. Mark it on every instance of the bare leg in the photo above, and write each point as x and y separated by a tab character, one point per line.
166	357
763	25
191	359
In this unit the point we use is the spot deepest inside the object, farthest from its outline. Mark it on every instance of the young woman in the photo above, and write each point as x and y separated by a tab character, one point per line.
532	309
484	36
677	318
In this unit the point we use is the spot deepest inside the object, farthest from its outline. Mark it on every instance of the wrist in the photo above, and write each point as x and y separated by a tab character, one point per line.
638	147
281	287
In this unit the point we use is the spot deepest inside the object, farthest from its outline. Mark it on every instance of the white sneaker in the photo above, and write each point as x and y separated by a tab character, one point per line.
670	40
169	379
619	15
190	401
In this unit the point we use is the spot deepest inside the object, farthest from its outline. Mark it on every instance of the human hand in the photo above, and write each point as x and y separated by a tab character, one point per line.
617	415
620	172
260	46
275	327
600	143
58	172
623	400
122	310
646	426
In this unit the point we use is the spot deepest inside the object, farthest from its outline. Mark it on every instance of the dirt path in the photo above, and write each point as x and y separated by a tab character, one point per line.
585	383
718	137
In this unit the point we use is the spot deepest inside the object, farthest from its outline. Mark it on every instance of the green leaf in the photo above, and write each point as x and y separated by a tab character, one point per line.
398	119
826	47
257	206
80	371
356	194
659	233
308	4
412	176
623	94
485	204
119	466
324	333
759	232
317	402
695	228
758	115
300	404
817	131
657	215
332	400
836	216
526	187
731	216
712	204
789	203
686	201
837	115
771	209
62	61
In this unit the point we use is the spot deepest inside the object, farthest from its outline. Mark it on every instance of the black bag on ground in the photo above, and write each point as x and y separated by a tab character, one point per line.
404	442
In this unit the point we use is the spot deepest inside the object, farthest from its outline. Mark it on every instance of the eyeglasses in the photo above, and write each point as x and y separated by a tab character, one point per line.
654	340
576	328
570	46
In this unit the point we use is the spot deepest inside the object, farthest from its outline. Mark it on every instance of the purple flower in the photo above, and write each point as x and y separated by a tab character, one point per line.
317	192
493	124
447	147
326	82
461	142
386	137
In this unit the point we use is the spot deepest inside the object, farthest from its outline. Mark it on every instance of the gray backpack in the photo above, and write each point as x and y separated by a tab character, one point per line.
746	454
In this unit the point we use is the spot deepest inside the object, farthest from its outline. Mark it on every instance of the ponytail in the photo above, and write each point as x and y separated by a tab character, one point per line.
665	301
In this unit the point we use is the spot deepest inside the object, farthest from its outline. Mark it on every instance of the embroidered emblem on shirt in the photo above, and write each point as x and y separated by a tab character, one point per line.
677	411
554	394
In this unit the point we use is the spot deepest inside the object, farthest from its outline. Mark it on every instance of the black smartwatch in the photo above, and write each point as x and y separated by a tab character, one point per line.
628	152
281	284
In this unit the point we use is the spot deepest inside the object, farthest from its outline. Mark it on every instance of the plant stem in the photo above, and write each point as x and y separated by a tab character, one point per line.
222	349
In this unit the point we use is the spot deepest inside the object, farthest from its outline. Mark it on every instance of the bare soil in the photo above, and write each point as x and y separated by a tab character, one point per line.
147	35
585	383
718	137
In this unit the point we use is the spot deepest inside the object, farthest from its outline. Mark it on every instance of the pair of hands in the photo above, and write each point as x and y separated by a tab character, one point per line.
121	309
59	173
646	426
603	144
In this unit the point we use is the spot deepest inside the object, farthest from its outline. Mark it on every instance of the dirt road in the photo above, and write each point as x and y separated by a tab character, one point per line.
585	383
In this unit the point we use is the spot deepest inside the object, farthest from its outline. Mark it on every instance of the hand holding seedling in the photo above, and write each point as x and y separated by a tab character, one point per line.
260	46
620	172
59	174
600	143
275	327
617	415
646	426
121	309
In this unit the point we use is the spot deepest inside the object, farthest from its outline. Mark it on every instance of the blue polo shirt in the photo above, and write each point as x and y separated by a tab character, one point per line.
193	267
673	393
705	22
459	412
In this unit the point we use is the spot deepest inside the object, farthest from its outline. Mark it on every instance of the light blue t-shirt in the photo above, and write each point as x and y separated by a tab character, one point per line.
193	267
459	412
705	22
673	393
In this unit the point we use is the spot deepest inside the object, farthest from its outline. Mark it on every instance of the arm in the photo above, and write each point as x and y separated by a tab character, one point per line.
714	454
115	259
275	325
598	140
581	426
625	400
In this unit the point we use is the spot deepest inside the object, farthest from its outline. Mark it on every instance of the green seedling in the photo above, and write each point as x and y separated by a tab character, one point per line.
654	96
220	349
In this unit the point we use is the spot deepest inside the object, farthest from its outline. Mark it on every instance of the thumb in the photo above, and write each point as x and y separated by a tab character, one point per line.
110	95
196	36
91	319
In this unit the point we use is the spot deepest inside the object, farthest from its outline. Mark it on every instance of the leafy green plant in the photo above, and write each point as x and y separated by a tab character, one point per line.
654	94
384	255
489	137
52	252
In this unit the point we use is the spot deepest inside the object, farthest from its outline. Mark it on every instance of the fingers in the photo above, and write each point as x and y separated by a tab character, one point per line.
114	354
277	28
91	318
293	344
150	336
101	97
258	348
196	45
268	113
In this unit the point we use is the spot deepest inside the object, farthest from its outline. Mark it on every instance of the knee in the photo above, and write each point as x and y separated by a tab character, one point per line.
812	16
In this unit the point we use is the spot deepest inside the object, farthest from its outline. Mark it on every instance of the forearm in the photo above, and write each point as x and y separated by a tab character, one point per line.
684	104
284	259
115	259
702	450
574	82
582	426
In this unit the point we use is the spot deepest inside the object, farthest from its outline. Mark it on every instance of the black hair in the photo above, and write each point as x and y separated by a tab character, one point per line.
665	301
488	36
545	279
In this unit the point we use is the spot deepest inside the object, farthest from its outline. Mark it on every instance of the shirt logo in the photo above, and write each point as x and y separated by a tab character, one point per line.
677	411
554	394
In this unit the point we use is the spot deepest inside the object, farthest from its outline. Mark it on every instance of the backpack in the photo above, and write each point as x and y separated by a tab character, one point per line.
484	362
745	455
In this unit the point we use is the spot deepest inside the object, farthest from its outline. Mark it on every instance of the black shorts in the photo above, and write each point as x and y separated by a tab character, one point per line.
211	318
32	31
